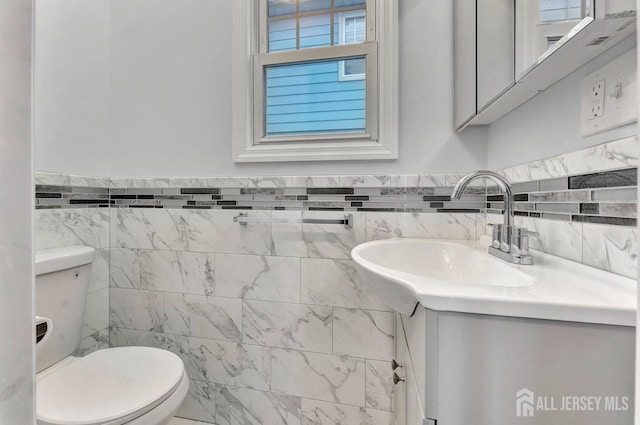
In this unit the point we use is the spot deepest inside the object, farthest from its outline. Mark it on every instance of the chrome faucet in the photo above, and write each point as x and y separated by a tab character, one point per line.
508	242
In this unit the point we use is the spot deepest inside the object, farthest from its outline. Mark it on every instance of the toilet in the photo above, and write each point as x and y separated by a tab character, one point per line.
113	386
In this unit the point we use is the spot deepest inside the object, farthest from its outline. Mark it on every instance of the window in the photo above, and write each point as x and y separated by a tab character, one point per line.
352	30
542	26
557	18
310	82
552	39
563	10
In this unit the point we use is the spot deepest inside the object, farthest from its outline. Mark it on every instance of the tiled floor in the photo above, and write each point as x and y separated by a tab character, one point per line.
180	421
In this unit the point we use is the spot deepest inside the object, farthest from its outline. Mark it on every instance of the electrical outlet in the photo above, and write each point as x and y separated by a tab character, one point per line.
609	96
597	99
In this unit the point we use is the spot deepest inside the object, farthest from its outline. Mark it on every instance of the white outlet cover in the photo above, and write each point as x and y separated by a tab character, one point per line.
597	100
618	104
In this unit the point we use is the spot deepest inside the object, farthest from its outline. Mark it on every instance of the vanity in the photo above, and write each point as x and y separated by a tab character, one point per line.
480	341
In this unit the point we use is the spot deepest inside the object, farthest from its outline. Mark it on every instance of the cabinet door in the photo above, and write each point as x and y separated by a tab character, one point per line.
408	402
421	331
465	61
414	415
399	391
495	52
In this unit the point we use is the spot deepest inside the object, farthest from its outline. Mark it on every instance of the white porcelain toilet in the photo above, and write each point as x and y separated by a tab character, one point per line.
113	386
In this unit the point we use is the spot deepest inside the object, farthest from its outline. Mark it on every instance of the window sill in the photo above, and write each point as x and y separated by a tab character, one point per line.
316	152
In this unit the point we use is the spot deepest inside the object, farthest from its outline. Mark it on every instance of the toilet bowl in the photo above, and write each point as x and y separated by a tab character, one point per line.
113	386
127	385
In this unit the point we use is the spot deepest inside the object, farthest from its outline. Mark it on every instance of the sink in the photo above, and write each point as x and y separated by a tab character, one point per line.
461	276
398	269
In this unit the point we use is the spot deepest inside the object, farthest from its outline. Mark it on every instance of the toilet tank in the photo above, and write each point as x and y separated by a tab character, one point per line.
62	283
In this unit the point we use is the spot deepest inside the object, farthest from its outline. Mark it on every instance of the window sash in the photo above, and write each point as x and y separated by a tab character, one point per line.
263	22
246	43
368	50
332	12
265	58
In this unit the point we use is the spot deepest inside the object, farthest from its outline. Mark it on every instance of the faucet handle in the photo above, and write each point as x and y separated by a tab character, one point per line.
496	235
526	232
520	240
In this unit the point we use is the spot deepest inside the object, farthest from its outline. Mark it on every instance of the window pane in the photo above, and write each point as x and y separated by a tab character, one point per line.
310	98
303	24
551	40
354	67
315	31
282	35
354	29
349	3
311	5
282	7
562	10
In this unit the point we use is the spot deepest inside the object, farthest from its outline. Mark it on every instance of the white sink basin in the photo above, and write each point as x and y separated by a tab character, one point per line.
394	267
461	276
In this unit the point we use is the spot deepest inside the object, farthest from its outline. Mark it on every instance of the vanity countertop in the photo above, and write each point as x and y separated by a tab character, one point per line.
558	289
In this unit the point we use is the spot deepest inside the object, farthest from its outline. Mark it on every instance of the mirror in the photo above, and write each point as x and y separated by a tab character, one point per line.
551	39
543	26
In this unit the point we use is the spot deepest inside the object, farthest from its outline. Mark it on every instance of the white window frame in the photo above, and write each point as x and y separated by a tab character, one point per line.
249	58
342	26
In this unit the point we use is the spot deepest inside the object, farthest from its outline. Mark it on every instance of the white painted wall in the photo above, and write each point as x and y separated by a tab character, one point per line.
171	83
17	331
72	86
144	89
549	124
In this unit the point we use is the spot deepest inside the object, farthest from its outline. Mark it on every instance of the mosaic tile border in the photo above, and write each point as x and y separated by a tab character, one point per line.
431	199
57	196
594	185
428	199
602	198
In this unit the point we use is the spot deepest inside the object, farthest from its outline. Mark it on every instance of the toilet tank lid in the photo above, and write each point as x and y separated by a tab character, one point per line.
63	258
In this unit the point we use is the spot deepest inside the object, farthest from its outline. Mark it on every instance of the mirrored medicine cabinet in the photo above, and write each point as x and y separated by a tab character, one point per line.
507	51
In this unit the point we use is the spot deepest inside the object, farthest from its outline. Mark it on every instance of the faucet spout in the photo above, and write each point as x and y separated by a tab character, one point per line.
509	243
502	183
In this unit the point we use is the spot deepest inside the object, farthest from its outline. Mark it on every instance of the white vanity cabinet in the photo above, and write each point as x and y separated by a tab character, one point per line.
462	368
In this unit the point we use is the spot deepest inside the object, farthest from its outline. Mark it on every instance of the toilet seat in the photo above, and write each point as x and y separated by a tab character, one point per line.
111	386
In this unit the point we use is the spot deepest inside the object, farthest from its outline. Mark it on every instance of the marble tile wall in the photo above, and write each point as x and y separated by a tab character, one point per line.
607	247
614	155
613	248
272	320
